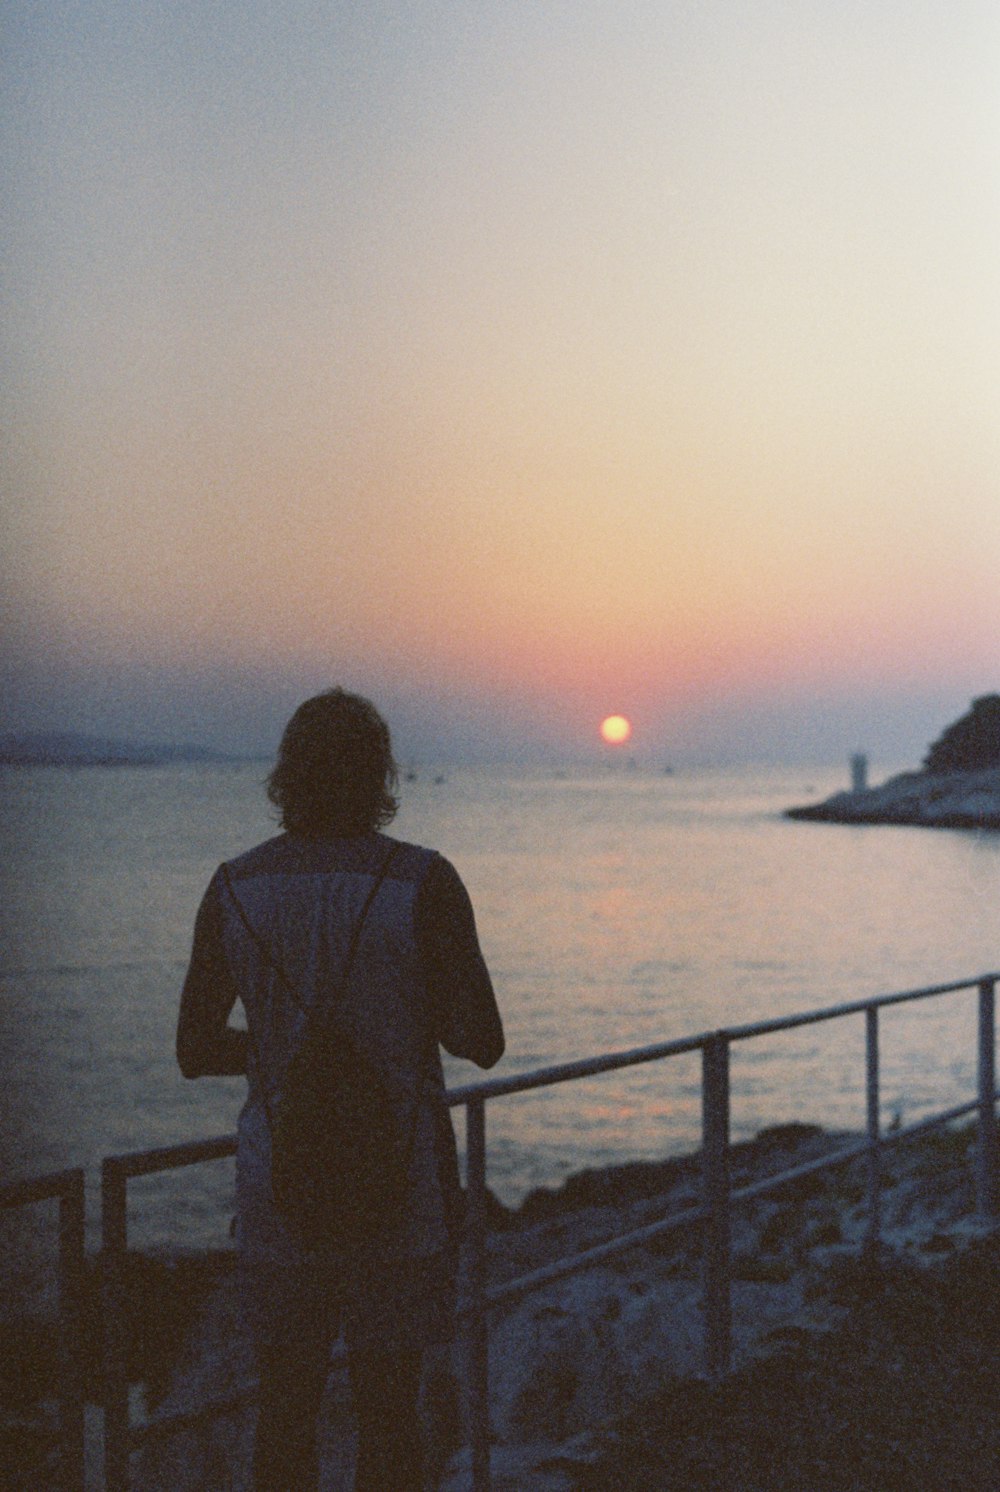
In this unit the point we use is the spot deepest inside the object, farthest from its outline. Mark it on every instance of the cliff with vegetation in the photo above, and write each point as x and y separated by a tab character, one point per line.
957	786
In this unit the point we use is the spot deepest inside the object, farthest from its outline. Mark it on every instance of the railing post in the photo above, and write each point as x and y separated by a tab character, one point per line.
478	1382
71	1279
986	1151
114	1244
716	1262
874	1128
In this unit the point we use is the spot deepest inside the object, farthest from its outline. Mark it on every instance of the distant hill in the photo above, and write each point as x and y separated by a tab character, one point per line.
71	749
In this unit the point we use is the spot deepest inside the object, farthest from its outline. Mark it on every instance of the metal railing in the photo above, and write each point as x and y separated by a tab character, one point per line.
713	1214
718	1195
120	1439
67	1188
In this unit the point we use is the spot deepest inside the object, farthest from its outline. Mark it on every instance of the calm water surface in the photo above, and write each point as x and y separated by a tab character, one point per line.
614	910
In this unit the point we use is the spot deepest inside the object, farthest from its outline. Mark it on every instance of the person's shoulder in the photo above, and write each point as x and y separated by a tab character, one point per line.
438	883
412	861
292	854
269	856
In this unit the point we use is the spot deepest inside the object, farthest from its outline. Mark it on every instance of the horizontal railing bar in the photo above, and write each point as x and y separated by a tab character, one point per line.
933	1121
625	1241
795	1173
172	1424
171	1157
849	1152
851	1007
560	1267
165	1425
612	1061
140	1162
45	1188
565	1072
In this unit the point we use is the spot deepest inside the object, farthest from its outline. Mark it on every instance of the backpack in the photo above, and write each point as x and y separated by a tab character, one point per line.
343	1130
340	1151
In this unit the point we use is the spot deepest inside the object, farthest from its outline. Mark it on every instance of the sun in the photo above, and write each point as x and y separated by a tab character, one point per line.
616	729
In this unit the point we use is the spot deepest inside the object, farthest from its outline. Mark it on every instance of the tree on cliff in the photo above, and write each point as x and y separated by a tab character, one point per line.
972	744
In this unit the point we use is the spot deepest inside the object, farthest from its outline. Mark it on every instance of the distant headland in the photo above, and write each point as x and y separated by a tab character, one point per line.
71	749
956	787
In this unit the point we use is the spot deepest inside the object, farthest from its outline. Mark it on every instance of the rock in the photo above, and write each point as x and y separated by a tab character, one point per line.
952	800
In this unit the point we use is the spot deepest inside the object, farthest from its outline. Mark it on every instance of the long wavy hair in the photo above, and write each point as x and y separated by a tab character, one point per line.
335	773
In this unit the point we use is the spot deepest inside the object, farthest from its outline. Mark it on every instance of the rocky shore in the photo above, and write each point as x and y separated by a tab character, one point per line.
573	1364
900	1397
951	800
576	1368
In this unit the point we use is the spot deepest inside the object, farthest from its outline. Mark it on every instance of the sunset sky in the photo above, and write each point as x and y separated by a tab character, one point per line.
515	363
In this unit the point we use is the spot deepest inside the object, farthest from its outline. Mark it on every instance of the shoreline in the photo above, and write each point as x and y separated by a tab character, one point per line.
954	800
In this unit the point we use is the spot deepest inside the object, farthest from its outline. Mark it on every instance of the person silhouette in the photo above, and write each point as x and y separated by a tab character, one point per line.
274	931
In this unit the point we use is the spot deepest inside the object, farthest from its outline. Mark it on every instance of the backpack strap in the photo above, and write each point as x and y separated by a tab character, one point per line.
356	935
271	959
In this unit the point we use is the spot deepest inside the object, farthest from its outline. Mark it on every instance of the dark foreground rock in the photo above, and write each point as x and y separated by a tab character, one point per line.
900	1397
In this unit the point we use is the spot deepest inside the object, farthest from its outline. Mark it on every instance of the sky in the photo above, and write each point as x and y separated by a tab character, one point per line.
514	364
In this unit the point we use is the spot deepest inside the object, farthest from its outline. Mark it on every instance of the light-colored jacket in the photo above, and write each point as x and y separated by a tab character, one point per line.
291	905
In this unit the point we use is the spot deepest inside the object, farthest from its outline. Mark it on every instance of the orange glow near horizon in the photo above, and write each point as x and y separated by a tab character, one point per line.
566	362
616	730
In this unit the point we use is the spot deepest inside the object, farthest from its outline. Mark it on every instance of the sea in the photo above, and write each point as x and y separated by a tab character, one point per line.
616	907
